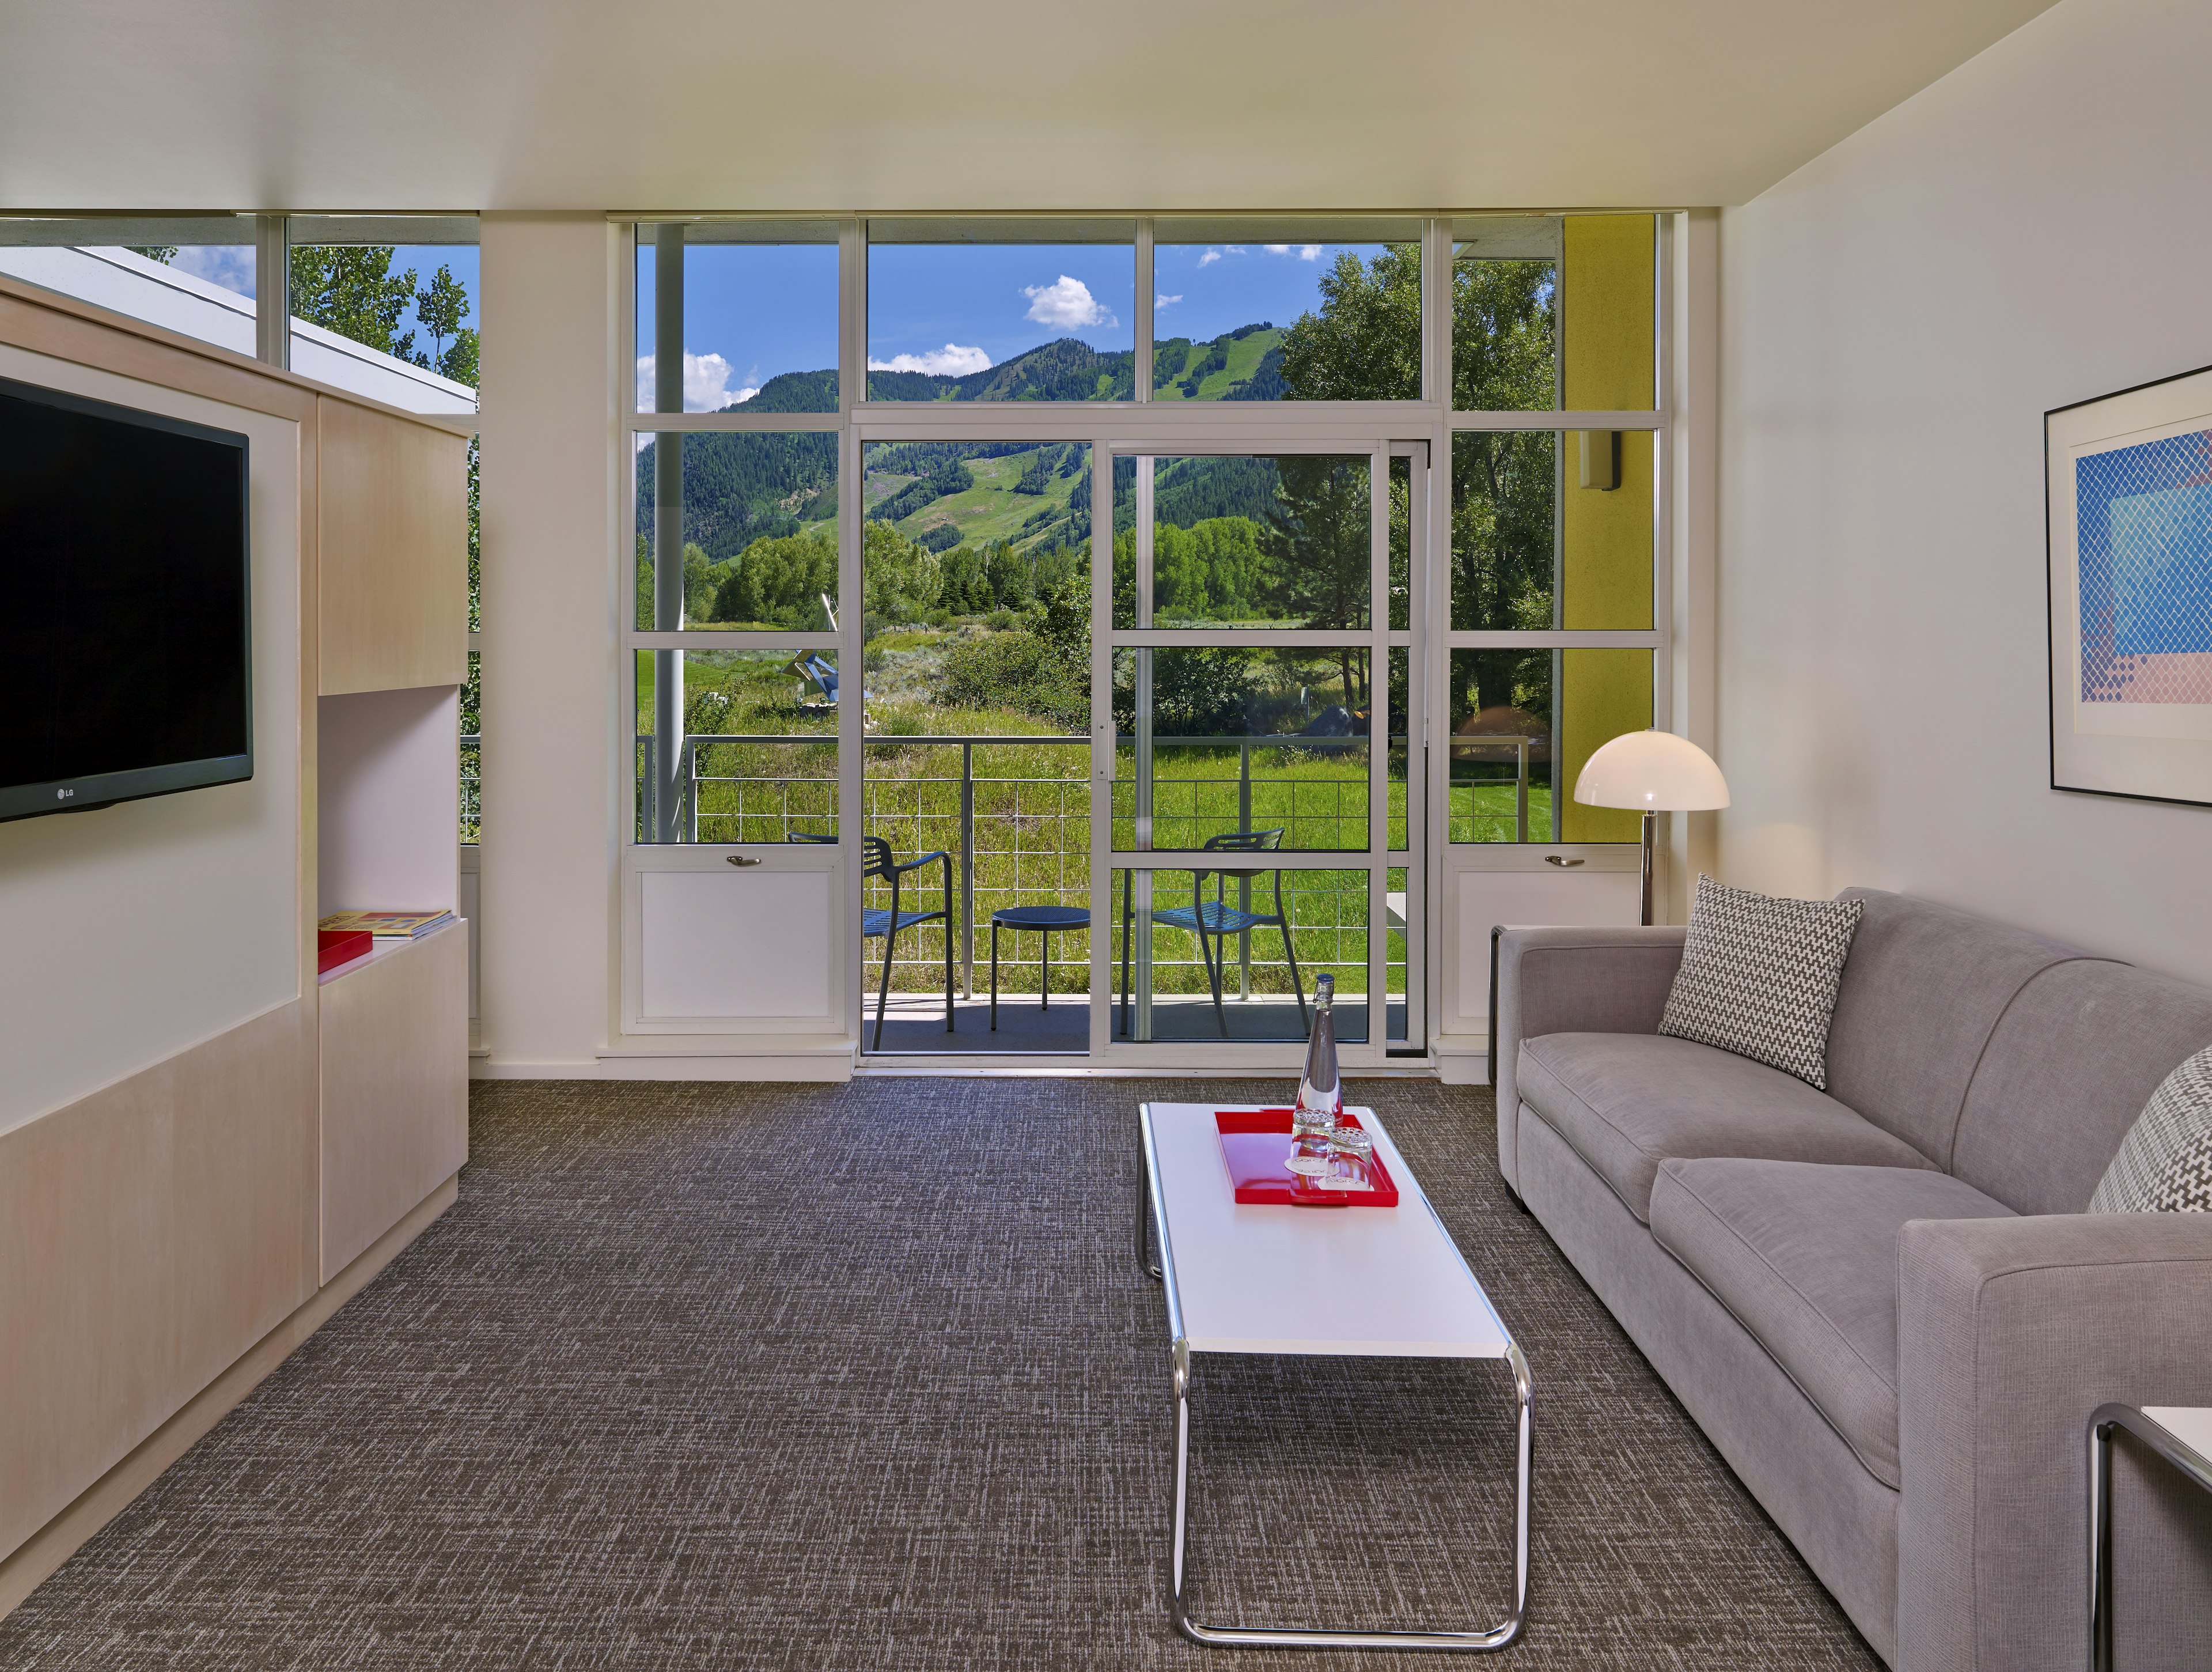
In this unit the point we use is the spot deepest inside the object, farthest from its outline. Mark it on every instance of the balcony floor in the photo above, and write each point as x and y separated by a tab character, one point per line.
914	1024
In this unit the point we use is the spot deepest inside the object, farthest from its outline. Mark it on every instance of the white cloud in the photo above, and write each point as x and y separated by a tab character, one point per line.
705	383
1209	258
230	266
1067	303
950	361
1165	301
1234	249
1310	253
1277	249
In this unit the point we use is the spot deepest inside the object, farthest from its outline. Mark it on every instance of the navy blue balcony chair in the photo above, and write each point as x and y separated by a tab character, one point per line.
1214	922
877	862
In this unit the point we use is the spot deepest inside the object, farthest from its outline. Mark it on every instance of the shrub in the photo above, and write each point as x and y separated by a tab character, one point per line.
1018	669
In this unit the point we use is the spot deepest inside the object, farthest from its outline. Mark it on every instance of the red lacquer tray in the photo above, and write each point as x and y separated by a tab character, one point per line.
1255	1143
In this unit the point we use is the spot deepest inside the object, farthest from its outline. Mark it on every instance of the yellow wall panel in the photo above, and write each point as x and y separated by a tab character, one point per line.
1605	313
1605	535
1602	693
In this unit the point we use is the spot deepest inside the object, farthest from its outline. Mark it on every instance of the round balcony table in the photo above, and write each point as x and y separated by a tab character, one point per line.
1046	921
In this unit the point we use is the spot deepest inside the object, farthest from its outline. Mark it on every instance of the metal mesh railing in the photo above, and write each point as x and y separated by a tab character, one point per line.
471	786
1013	813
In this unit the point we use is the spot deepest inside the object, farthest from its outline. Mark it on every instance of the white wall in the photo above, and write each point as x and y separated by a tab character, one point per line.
549	642
2030	231
134	932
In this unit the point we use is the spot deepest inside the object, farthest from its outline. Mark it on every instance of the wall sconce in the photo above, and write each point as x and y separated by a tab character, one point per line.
1601	451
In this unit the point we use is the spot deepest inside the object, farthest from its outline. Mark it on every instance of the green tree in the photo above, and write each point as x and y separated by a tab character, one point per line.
351	289
901	577
1067	623
1195	693
441	306
1235	564
962	587
1365	342
699	583
1180	574
778	583
1364	345
1319	544
1012	586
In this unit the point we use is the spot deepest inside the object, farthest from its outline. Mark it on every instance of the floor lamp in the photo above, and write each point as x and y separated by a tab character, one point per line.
1653	772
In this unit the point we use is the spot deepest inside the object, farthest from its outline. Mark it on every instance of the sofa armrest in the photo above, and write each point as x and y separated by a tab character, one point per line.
1572	981
2010	1334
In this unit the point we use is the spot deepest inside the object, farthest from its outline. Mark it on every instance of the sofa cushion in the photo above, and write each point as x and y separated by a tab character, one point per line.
1805	1258
1625	1101
2066	1074
1921	992
2164	1163
1758	976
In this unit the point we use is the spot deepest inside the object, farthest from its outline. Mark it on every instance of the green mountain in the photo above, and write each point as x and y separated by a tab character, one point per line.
741	488
1244	364
1065	370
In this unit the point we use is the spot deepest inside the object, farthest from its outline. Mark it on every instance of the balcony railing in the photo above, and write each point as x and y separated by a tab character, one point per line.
1014	813
471	786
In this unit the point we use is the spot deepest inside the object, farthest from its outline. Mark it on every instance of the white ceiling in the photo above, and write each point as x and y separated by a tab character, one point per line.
959	104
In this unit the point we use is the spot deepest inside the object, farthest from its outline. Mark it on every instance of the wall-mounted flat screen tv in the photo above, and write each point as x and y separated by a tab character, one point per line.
125	648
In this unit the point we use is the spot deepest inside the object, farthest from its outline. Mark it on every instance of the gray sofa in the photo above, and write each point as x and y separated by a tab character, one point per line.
1885	1304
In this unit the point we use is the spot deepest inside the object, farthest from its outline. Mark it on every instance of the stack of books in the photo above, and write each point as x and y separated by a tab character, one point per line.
386	925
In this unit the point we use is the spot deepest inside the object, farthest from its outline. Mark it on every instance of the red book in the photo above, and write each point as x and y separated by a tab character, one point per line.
336	947
1256	1144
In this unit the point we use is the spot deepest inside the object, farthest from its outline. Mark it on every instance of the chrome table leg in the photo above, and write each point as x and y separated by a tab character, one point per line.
1500	1636
1145	1264
2194	1466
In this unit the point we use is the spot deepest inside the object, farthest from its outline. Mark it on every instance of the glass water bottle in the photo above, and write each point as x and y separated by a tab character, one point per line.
1320	1107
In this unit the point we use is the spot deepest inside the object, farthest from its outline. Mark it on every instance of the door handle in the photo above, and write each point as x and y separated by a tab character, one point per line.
741	860
1559	860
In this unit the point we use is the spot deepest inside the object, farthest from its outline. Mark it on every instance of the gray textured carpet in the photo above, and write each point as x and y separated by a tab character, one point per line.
865	1376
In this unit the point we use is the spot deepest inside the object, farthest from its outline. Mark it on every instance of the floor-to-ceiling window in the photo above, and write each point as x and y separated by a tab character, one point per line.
1226	654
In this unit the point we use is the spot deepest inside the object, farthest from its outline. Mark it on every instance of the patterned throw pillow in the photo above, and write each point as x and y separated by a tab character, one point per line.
2164	1163
1760	976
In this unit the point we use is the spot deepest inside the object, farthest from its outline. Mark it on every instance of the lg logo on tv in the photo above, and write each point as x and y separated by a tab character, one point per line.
63	795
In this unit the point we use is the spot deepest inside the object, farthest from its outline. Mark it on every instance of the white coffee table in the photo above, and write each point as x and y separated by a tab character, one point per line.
1334	1282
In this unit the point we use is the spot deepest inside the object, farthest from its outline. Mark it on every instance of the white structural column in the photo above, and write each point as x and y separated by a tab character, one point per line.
549	502
1693	401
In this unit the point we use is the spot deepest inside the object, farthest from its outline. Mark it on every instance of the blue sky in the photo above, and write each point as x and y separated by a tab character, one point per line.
426	260
749	312
1200	290
753	311
959	307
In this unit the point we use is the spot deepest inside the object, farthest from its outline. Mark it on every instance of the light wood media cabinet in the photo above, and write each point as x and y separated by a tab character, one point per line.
167	1238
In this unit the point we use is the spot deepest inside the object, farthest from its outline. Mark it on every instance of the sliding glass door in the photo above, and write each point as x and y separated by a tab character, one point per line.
1254	686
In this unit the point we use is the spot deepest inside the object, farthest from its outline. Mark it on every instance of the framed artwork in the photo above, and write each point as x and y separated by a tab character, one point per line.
2128	493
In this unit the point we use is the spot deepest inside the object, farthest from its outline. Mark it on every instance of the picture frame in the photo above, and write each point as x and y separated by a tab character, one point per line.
2128	519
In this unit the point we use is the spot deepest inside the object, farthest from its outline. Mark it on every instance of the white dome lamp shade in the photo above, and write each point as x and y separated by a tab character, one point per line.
1653	772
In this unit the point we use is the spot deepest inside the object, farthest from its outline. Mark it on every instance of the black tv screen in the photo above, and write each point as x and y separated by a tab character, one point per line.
125	650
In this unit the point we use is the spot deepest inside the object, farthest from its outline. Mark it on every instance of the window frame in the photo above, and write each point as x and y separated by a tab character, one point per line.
1144	425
